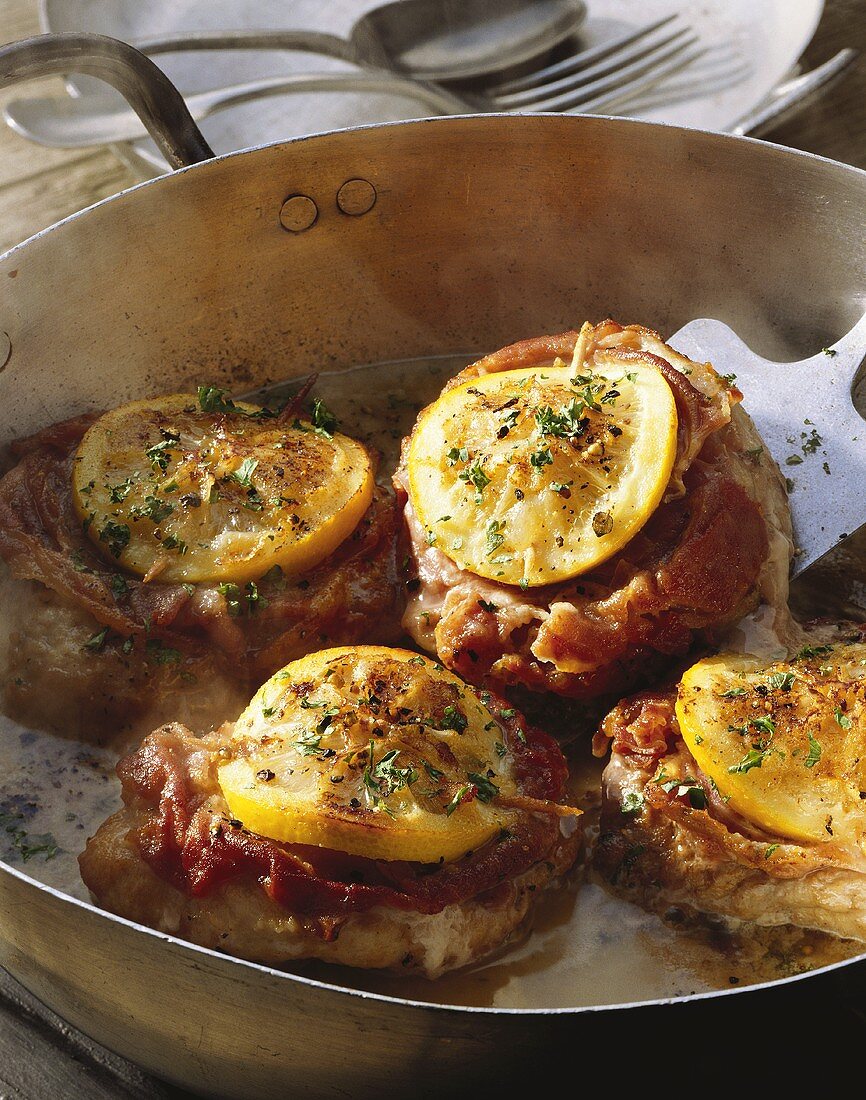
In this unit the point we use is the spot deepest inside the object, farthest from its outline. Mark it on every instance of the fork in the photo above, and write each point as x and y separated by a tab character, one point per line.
591	81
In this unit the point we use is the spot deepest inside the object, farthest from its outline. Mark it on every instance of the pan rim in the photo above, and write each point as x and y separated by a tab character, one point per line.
451	121
326	987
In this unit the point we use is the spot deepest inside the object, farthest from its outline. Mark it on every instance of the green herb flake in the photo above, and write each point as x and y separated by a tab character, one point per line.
632	802
452	719
814	752
541	458
485	791
494	536
842	719
754	758
115	536
476	476
244	473
163	654
460	797
96	641
323	420
118	585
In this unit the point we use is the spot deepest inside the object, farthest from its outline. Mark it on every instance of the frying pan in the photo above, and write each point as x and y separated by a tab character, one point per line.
439	236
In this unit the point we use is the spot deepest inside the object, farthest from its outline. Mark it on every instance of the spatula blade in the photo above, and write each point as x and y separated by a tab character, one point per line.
807	420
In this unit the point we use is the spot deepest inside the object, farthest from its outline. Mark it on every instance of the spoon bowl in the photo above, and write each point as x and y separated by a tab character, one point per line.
457	39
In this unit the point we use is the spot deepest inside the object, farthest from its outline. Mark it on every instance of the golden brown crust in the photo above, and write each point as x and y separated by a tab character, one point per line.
246	923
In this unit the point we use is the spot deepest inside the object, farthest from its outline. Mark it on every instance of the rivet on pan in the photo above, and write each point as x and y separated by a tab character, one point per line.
5	349
356	197
298	213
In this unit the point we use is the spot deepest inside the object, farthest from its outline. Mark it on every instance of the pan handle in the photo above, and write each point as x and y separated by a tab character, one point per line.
146	88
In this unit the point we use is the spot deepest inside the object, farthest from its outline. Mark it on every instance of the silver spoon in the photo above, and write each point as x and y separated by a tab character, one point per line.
424	39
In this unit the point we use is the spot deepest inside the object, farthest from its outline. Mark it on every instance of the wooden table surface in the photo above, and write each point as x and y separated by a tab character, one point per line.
41	1057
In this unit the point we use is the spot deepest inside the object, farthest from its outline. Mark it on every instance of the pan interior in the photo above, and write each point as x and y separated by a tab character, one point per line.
587	948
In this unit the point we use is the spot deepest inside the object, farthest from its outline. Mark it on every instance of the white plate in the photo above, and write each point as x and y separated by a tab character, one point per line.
769	34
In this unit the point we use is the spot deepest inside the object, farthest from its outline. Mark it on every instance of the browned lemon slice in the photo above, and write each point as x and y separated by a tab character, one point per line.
784	742
168	489
536	475
373	751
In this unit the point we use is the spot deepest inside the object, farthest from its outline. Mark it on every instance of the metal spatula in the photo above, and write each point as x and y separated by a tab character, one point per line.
806	416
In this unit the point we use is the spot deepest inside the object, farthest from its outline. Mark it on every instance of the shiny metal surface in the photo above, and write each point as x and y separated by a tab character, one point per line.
805	414
538	223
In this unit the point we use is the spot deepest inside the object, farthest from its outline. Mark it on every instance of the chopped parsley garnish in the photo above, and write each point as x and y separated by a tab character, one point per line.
384	778
732	693
541	458
485	790
765	725
163	654
172	542
476	476
309	743
842	719
457	454
768	851
462	795
153	509
814	752
810	651
115	536
323	420
452	719
96	641
118	585
244	473
212	399
78	564
488	605
754	758
632	802
494	536
159	452
235	597
434	773
781	681
118	493
812	442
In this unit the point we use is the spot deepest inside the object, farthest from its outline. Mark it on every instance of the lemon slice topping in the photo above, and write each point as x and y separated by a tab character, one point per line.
536	475
372	751
168	488
784	742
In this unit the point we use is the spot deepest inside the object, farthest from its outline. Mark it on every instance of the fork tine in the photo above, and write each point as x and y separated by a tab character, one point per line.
588	100
579	60
611	68
669	93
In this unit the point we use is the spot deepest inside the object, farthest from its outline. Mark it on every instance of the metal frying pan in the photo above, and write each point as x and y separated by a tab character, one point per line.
443	236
